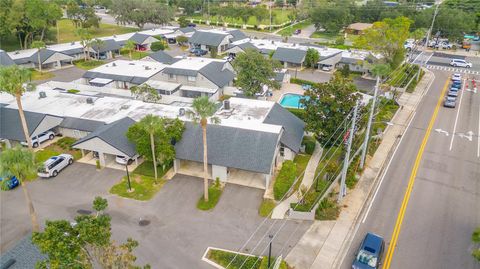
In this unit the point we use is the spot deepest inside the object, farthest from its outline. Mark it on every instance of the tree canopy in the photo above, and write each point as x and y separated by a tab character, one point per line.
254	71
311	58
141	12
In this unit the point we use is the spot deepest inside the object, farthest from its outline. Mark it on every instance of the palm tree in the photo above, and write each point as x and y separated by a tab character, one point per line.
203	110
15	81
130	46
20	163
98	44
85	41
151	124
39	45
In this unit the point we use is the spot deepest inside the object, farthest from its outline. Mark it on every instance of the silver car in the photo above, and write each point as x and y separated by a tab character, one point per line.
54	165
450	102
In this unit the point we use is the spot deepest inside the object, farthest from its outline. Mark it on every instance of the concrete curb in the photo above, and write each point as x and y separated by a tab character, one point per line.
356	223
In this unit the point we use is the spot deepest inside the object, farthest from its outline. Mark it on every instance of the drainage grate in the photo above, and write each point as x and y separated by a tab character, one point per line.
84	212
143	222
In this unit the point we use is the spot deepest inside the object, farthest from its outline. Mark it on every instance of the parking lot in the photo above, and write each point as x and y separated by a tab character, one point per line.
176	234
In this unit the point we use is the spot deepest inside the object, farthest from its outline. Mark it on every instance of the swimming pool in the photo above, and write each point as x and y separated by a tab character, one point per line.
292	100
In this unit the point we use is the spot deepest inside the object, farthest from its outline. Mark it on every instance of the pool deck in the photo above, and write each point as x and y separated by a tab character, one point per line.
286	88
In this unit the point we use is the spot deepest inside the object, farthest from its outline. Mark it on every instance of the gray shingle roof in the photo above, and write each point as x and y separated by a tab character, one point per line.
332	59
237	35
114	134
207	38
44	55
25	254
81	124
162	57
244	46
229	146
293	126
138	38
186	30
72	52
180	71
109	45
295	56
11	127
5	60
215	72
347	60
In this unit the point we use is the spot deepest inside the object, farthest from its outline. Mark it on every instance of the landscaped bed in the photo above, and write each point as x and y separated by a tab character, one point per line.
214	193
285	178
87	65
37	75
136	55
63	145
237	261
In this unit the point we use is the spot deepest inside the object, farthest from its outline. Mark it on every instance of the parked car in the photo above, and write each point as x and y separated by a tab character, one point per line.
452	93
9	183
446	45
297	32
54	165
456	77
191	25
456	84
369	255
460	63
450	102
37	140
124	159
198	52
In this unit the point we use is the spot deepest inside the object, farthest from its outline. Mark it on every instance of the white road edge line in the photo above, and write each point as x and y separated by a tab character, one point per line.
478	145
388	166
458	113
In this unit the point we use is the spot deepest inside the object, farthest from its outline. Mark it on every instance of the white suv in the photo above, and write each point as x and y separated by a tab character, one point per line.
460	63
55	164
37	140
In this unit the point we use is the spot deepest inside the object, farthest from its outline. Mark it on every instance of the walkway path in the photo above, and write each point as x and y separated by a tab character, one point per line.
308	178
325	242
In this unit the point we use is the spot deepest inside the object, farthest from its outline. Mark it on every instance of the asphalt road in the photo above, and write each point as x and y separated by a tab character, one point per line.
444	206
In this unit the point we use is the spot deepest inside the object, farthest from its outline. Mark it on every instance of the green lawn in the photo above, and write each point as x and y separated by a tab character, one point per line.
146	169
136	55
226	258
290	29
87	65
214	193
63	145
301	161
36	75
325	35
266	207
279	16
143	187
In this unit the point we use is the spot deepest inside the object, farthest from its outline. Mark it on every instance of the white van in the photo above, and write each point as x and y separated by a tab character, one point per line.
460	63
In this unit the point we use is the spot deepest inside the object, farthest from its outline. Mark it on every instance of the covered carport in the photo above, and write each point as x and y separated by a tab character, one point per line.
107	142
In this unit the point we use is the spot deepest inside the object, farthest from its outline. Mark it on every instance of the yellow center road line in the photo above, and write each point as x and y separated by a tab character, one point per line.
413	175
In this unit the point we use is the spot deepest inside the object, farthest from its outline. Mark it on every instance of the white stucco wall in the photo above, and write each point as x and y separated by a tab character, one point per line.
220	172
49	122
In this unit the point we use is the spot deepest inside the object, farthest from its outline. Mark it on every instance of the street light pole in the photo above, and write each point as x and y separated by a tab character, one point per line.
128	177
428	37
369	125
269	250
346	161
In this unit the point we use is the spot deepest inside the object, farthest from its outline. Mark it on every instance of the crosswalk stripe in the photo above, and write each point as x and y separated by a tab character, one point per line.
456	70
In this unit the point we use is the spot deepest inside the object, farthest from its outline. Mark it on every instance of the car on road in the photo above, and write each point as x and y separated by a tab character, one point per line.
452	93
8	183
37	140
450	102
460	63
369	255
456	77
54	165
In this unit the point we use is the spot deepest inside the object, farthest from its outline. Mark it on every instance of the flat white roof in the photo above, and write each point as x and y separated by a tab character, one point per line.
65	46
157	31
101	80
198	89
137	68
193	63
121	37
163	85
19	54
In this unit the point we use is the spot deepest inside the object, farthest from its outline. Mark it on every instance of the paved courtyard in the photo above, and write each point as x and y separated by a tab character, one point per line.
177	234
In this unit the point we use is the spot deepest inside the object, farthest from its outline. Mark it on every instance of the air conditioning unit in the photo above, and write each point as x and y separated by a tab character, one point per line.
42	94
226	104
114	64
90	100
181	112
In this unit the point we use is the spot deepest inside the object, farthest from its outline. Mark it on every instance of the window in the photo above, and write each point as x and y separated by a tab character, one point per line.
171	76
191	78
282	151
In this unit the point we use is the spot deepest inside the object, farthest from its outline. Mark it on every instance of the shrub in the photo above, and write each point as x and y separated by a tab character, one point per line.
66	142
73	91
327	210
302	82
285	179
340	40
97	164
159	45
182	39
299	112
309	143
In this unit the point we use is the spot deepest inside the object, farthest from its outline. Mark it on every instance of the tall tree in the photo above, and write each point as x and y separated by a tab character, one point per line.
20	162
202	111
141	12
332	100
85	40
311	58
254	71
145	93
331	17
15	81
98	45
84	244
39	45
386	37
130	46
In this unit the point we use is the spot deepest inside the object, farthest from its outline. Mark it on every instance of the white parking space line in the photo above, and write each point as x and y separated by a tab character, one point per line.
458	113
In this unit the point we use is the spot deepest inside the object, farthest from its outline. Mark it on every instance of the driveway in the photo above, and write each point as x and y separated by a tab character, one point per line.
65	74
177	233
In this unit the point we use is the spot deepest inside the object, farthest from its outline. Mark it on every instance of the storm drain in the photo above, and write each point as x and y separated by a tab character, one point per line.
84	212
143	222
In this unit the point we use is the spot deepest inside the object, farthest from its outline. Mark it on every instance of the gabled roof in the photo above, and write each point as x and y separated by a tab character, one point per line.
114	134
216	73
11	127
163	57
229	146
180	71
81	124
186	30
45	54
293	126
5	60
108	45
331	59
207	38
25	254
295	56
244	46
139	38
237	35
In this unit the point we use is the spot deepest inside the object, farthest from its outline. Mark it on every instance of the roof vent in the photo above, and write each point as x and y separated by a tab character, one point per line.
147	68
73	43
226	104
16	52
131	63
114	64
90	100
42	94
124	107
184	56
181	112
273	42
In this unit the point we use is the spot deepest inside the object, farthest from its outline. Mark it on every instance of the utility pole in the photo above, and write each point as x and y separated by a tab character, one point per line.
428	37
270	10
346	161
369	125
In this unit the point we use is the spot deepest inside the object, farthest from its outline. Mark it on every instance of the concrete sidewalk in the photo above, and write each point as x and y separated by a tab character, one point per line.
324	245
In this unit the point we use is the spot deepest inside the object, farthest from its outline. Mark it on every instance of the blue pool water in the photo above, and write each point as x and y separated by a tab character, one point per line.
292	100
